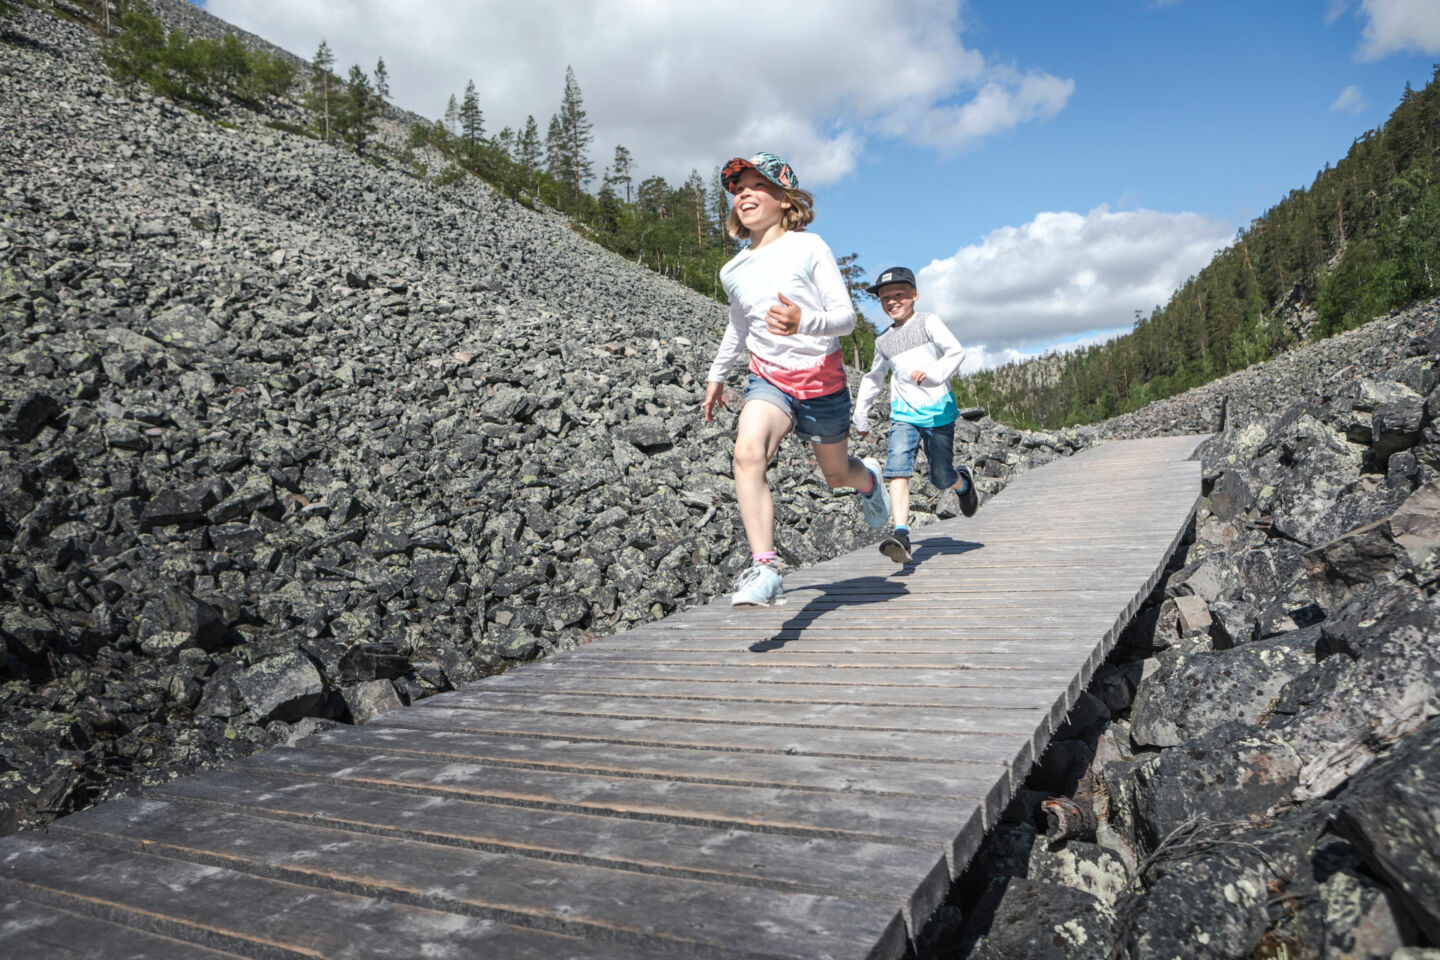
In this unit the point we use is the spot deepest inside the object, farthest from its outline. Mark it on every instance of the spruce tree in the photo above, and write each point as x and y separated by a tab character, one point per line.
505	143
576	129
452	116
621	169
472	122
382	80
557	156
357	110
529	146
322	62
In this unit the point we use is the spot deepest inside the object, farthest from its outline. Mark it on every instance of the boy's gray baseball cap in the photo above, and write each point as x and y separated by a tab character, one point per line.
892	275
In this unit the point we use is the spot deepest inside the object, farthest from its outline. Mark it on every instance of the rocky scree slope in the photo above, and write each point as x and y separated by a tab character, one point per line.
1256	770
289	436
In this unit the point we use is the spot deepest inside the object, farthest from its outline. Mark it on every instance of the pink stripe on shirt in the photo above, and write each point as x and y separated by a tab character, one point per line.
806	383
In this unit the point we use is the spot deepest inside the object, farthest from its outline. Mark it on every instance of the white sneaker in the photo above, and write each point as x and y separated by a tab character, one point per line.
758	586
875	504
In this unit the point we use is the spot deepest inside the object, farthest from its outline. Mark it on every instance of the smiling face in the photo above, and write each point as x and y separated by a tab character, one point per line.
898	301
759	204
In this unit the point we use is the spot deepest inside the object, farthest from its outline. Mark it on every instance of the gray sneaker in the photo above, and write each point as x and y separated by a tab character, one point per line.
896	546
758	586
876	504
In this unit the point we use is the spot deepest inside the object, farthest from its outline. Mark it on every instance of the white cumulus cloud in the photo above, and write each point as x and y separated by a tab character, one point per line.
1066	275
685	85
1399	26
1351	100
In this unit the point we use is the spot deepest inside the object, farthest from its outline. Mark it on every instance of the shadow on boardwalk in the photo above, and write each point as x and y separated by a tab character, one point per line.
858	591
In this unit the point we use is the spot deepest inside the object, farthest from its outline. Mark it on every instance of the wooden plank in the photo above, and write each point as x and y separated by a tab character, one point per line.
1014	691
799	812
819	865
35	931
960	778
993	743
229	910
883	674
996	711
596	902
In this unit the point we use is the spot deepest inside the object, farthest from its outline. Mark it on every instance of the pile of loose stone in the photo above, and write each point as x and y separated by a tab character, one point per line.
1256	771
290	436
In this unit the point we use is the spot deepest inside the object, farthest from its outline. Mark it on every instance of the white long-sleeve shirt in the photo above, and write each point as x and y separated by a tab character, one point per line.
807	363
923	343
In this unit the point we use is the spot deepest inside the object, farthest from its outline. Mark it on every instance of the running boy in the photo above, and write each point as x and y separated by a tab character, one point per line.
924	355
788	308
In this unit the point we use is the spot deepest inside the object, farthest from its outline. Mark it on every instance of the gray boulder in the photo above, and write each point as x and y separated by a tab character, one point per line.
1391	813
283	687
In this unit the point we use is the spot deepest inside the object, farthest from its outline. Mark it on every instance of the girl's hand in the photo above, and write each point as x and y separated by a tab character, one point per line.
783	320
714	394
918	376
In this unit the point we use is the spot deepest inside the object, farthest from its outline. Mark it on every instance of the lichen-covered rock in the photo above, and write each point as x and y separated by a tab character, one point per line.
1192	694
1391	813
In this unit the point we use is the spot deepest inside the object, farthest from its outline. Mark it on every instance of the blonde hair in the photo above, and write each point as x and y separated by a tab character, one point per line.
799	216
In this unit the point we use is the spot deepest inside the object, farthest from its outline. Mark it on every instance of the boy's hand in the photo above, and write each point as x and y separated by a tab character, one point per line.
918	376
714	394
783	320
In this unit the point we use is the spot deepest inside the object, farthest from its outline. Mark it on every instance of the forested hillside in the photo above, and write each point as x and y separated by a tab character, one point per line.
1363	238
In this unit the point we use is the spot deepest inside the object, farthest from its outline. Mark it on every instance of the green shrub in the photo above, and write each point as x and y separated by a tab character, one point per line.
200	70
450	176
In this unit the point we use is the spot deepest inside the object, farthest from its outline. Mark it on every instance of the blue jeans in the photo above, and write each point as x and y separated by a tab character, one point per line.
820	419
939	452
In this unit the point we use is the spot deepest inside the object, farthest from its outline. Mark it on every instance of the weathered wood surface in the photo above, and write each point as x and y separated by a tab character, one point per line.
798	782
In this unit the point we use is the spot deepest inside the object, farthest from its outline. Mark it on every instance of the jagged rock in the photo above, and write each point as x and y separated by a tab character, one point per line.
183	621
369	699
283	687
1391	812
1036	920
28	416
1192	694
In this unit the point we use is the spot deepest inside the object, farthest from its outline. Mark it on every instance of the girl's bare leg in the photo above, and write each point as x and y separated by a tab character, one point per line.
761	428
839	468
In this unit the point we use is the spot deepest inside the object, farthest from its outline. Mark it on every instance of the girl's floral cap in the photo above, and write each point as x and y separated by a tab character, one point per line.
769	166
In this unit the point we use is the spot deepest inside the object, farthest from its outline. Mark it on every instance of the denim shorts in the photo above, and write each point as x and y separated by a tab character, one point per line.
939	451
820	419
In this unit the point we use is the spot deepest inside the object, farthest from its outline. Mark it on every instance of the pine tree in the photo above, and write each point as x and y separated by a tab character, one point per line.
529	146
382	80
357	110
621	169
557	157
505	143
323	61
452	117
862	340
472	121
576	129
695	206
720	207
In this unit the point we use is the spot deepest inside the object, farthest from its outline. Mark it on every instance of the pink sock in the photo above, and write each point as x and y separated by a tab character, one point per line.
766	557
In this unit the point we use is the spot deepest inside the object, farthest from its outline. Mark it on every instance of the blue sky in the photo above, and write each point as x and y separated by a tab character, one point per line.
1047	167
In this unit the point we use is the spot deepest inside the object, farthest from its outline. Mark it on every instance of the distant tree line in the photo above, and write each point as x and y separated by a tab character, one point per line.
1363	238
678	231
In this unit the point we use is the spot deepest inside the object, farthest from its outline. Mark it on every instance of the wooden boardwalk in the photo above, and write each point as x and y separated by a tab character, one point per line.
798	782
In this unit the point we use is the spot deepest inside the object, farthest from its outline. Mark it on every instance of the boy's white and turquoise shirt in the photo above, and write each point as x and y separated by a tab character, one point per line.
925	343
